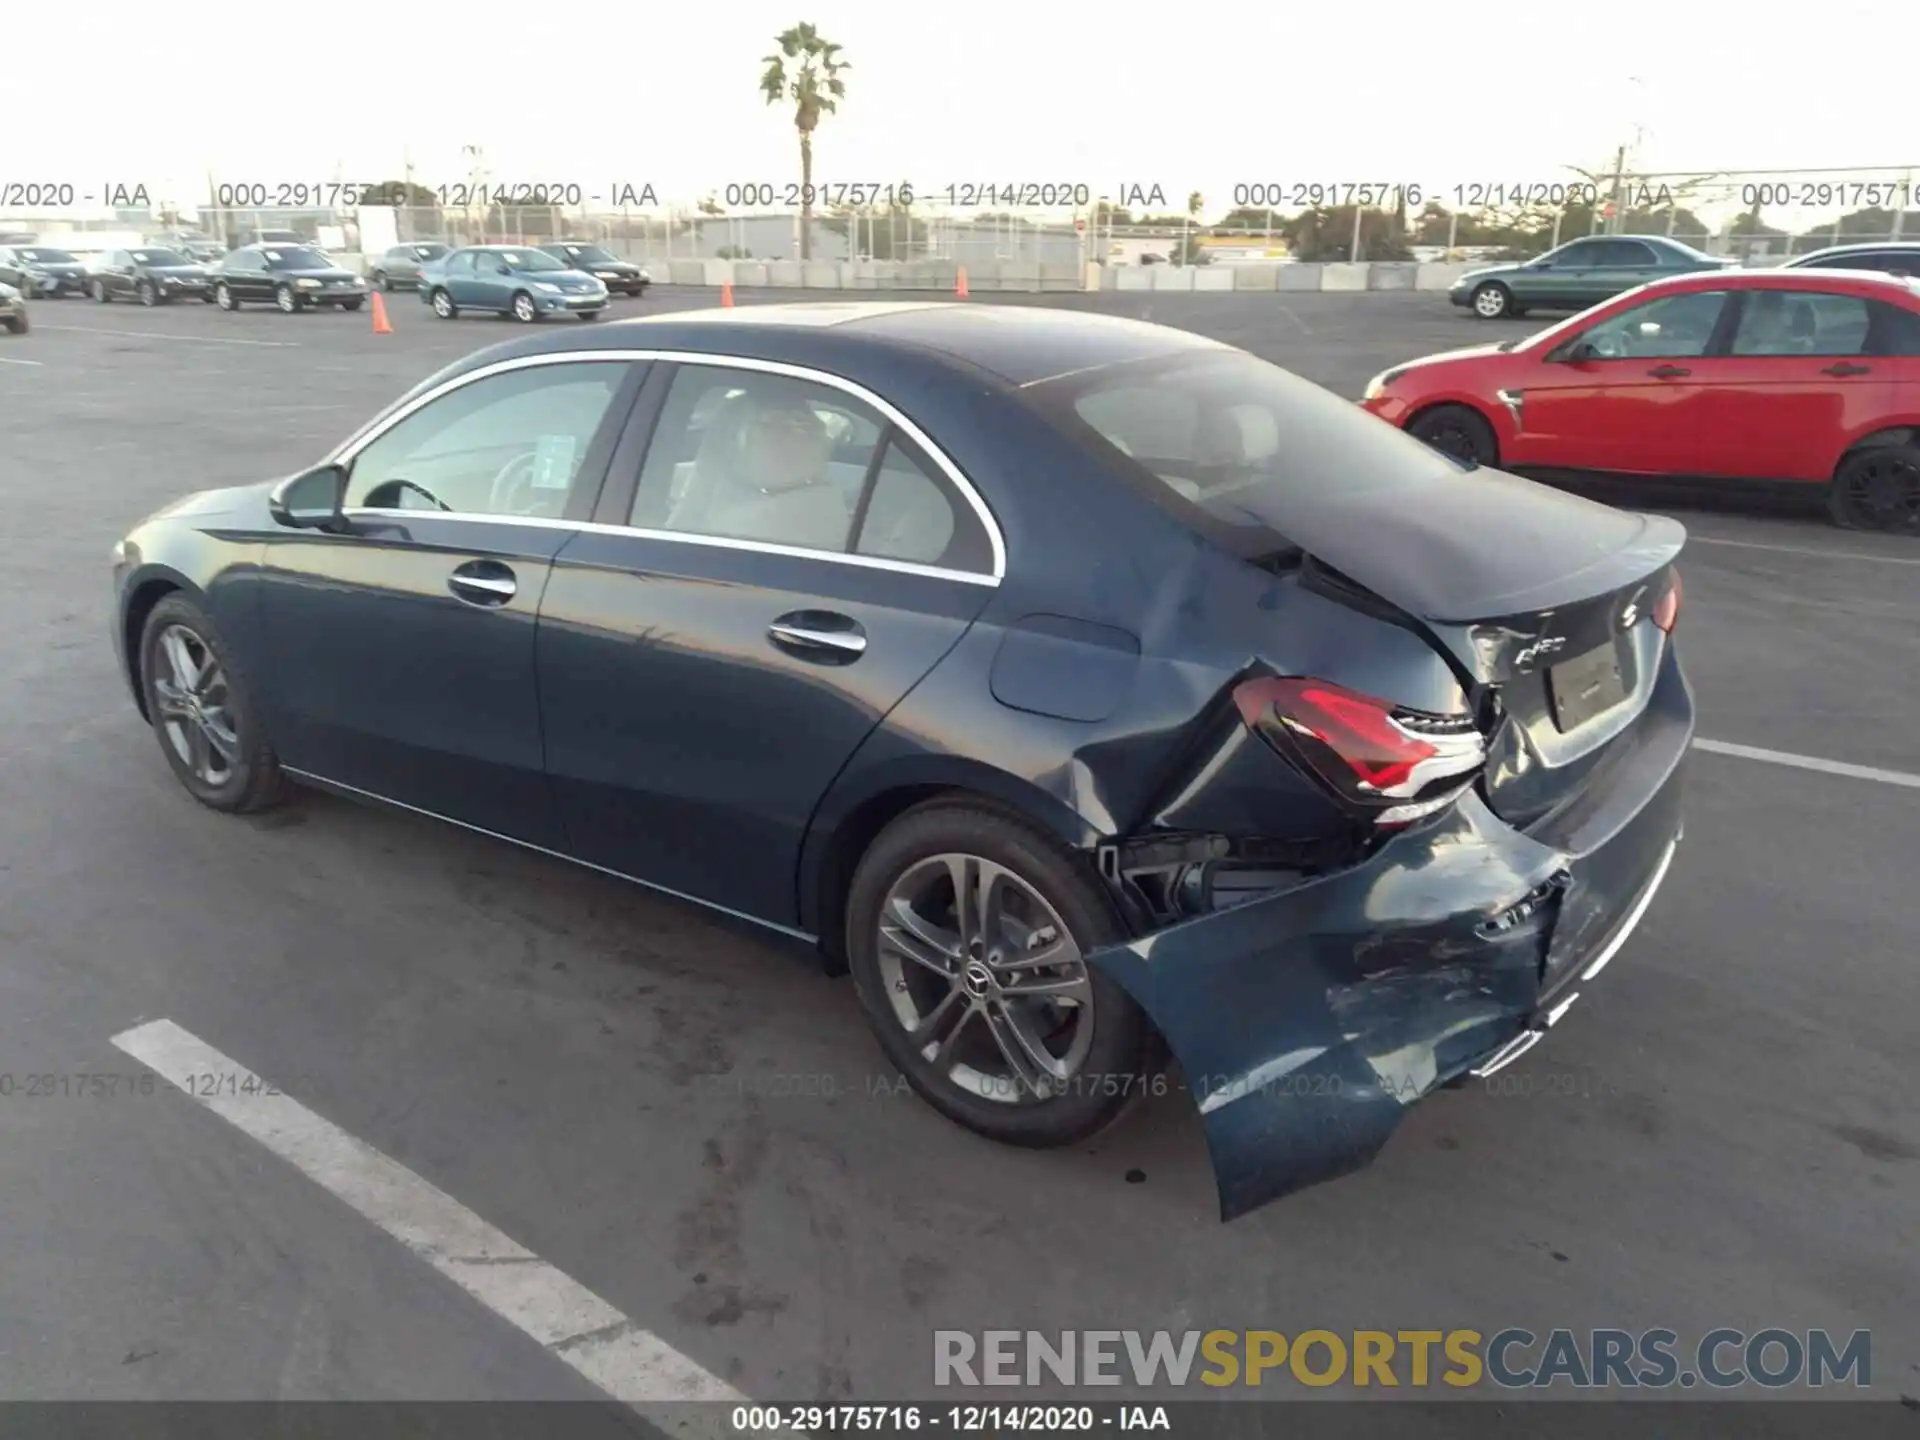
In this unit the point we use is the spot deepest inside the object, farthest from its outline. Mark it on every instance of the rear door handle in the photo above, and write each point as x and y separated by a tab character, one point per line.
1668	372
819	635
483	582
1843	368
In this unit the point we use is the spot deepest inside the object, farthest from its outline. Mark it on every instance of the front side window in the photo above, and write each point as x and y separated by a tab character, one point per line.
158	257
507	444
1673	327
528	260
1796	322
1580	255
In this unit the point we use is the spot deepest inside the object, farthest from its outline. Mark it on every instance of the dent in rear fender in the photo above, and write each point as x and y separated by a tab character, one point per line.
1306	1022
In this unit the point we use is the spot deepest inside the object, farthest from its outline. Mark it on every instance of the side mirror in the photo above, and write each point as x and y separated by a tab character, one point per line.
313	500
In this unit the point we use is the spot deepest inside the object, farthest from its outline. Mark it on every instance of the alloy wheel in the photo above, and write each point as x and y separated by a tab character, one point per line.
1490	302
986	979
146	292
193	699
1884	493
523	308
222	296
442	305
284	298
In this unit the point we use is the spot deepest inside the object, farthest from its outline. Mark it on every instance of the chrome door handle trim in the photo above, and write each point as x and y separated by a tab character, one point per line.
842	640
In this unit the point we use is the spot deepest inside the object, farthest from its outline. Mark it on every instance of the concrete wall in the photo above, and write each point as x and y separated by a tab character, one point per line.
1032	275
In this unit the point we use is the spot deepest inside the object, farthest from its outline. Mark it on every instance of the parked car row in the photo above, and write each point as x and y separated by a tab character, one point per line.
1794	377
1598	267
401	266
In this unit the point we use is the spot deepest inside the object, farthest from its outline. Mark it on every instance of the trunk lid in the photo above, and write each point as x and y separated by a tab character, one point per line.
1540	601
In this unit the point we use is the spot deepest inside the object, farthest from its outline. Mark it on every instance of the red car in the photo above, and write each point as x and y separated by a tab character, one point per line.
1801	376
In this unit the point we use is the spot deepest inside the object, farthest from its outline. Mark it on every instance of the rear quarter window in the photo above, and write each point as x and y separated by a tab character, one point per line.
1229	442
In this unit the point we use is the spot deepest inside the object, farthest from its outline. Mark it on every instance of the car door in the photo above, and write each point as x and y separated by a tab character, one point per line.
1805	371
465	281
789	560
402	654
1556	278
245	274
1634	405
1617	267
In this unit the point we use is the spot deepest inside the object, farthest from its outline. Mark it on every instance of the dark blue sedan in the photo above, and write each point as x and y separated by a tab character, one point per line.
1079	685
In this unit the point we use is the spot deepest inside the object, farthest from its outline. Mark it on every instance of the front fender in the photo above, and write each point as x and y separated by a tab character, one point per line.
1307	1022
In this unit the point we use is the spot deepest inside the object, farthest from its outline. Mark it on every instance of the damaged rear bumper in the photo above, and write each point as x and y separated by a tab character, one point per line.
1308	1021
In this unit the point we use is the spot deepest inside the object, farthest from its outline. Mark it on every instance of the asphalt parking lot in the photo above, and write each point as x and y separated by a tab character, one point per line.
701	1132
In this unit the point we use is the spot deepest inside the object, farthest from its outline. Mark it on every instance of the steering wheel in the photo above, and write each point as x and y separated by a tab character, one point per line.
513	491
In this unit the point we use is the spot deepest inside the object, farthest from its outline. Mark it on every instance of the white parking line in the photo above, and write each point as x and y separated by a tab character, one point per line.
9	360
570	1321
162	335
1805	550
1809	762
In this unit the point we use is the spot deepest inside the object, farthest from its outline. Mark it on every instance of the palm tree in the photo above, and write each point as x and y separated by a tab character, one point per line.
815	88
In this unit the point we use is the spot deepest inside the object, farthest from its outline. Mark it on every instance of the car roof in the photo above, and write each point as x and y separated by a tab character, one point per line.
1779	277
1020	344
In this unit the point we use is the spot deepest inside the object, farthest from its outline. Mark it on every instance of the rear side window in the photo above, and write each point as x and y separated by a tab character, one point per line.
1801	322
1896	331
1232	442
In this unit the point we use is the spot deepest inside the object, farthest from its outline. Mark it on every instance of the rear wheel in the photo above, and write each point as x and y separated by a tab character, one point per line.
1457	431
967	937
443	305
203	712
1492	301
380	280
1878	489
18	324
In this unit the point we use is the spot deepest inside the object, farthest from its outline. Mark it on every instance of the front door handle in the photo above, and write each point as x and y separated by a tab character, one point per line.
483	582
819	635
1844	368
1668	372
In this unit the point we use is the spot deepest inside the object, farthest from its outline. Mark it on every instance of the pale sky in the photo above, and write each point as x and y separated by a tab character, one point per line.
986	92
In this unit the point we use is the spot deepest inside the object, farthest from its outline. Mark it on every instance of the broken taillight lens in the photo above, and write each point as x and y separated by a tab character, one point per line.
1394	763
1666	610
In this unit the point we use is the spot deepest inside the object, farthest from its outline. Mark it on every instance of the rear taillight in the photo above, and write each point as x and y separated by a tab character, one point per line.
1666	610
1393	763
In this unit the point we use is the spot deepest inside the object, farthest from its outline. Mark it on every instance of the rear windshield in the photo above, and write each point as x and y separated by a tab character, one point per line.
1230	440
296	260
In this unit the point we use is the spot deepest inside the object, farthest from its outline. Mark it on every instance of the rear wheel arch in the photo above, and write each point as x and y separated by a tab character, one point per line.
838	840
1892	435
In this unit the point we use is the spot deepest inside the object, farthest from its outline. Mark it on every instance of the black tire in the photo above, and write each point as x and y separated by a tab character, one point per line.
514	308
288	300
351	304
381	281
146	294
590	314
19	324
224	297
1878	489
1457	431
1110	1075
442	304
1492	301
253	780
207	299
101	293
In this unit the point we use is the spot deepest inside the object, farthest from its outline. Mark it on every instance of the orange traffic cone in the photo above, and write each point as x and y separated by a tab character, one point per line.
380	325
726	294
960	284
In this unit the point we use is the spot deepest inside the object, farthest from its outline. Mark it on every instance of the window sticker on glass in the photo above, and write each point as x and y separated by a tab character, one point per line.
553	460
